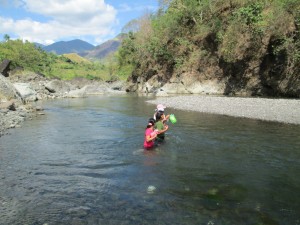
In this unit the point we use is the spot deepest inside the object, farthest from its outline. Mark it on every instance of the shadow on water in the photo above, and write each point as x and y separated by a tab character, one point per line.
83	163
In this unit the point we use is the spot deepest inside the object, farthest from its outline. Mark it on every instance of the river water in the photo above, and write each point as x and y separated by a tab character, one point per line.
83	163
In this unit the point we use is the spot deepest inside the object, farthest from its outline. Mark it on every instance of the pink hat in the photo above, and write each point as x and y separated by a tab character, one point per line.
160	107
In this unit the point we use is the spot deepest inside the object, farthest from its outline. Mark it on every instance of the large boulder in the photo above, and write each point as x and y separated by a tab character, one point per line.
95	89
26	92
9	105
78	93
4	67
80	82
58	86
118	85
7	90
152	84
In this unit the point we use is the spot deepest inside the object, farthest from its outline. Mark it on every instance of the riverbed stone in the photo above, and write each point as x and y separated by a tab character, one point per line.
161	93
78	93
39	108
7	90
95	89
58	86
26	91
117	85
9	105
151	189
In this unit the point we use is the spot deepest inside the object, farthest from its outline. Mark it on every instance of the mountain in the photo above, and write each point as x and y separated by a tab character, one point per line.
101	51
38	45
64	47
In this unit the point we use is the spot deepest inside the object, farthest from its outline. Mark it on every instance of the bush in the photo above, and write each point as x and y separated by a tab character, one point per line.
25	55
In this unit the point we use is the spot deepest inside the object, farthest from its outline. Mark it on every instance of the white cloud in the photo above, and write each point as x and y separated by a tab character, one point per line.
126	8
64	18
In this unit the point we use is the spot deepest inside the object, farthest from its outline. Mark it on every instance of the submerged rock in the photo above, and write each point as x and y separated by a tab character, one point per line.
151	189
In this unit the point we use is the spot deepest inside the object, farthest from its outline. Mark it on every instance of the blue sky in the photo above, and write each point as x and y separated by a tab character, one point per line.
49	21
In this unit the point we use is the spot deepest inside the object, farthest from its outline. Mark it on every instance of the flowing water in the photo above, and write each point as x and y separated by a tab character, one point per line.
83	163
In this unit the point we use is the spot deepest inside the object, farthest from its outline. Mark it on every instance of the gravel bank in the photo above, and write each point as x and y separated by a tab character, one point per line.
14	118
279	110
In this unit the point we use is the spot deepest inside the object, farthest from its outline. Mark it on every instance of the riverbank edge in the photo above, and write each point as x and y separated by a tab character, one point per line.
11	119
18	104
276	110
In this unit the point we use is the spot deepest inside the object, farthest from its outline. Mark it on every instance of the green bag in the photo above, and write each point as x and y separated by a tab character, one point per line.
173	118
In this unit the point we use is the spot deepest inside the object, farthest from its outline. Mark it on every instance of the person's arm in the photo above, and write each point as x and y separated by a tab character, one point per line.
166	127
166	118
150	137
154	116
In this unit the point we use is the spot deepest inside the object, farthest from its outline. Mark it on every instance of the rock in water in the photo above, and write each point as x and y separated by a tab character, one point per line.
151	189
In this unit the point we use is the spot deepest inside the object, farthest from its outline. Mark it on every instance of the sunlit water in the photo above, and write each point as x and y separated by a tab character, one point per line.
83	163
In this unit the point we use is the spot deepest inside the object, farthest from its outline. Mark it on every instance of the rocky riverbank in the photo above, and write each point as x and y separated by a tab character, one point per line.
20	90
14	115
279	110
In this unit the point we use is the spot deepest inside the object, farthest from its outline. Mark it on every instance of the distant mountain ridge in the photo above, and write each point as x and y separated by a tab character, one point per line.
101	51
65	47
84	49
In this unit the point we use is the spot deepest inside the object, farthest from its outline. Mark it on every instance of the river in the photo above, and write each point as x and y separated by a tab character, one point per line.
83	163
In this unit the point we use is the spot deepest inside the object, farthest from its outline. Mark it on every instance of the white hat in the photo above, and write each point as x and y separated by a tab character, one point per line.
160	107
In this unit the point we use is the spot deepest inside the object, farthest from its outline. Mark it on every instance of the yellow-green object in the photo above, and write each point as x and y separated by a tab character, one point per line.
173	118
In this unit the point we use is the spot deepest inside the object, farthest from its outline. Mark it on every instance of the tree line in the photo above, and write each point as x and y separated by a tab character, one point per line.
182	33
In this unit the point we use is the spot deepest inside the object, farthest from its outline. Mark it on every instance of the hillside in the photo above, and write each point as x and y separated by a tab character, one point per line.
75	58
103	50
73	46
231	47
17	55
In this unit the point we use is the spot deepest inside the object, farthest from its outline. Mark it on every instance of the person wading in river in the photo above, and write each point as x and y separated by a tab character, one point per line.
161	127
150	134
161	109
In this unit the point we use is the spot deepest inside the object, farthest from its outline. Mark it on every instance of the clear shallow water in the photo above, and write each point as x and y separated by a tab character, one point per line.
83	163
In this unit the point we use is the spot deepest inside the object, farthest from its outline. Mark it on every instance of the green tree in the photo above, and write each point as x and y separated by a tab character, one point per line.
183	32
25	55
6	37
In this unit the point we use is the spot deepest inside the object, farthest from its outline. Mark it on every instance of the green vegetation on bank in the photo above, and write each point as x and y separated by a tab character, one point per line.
184	34
27	56
24	55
